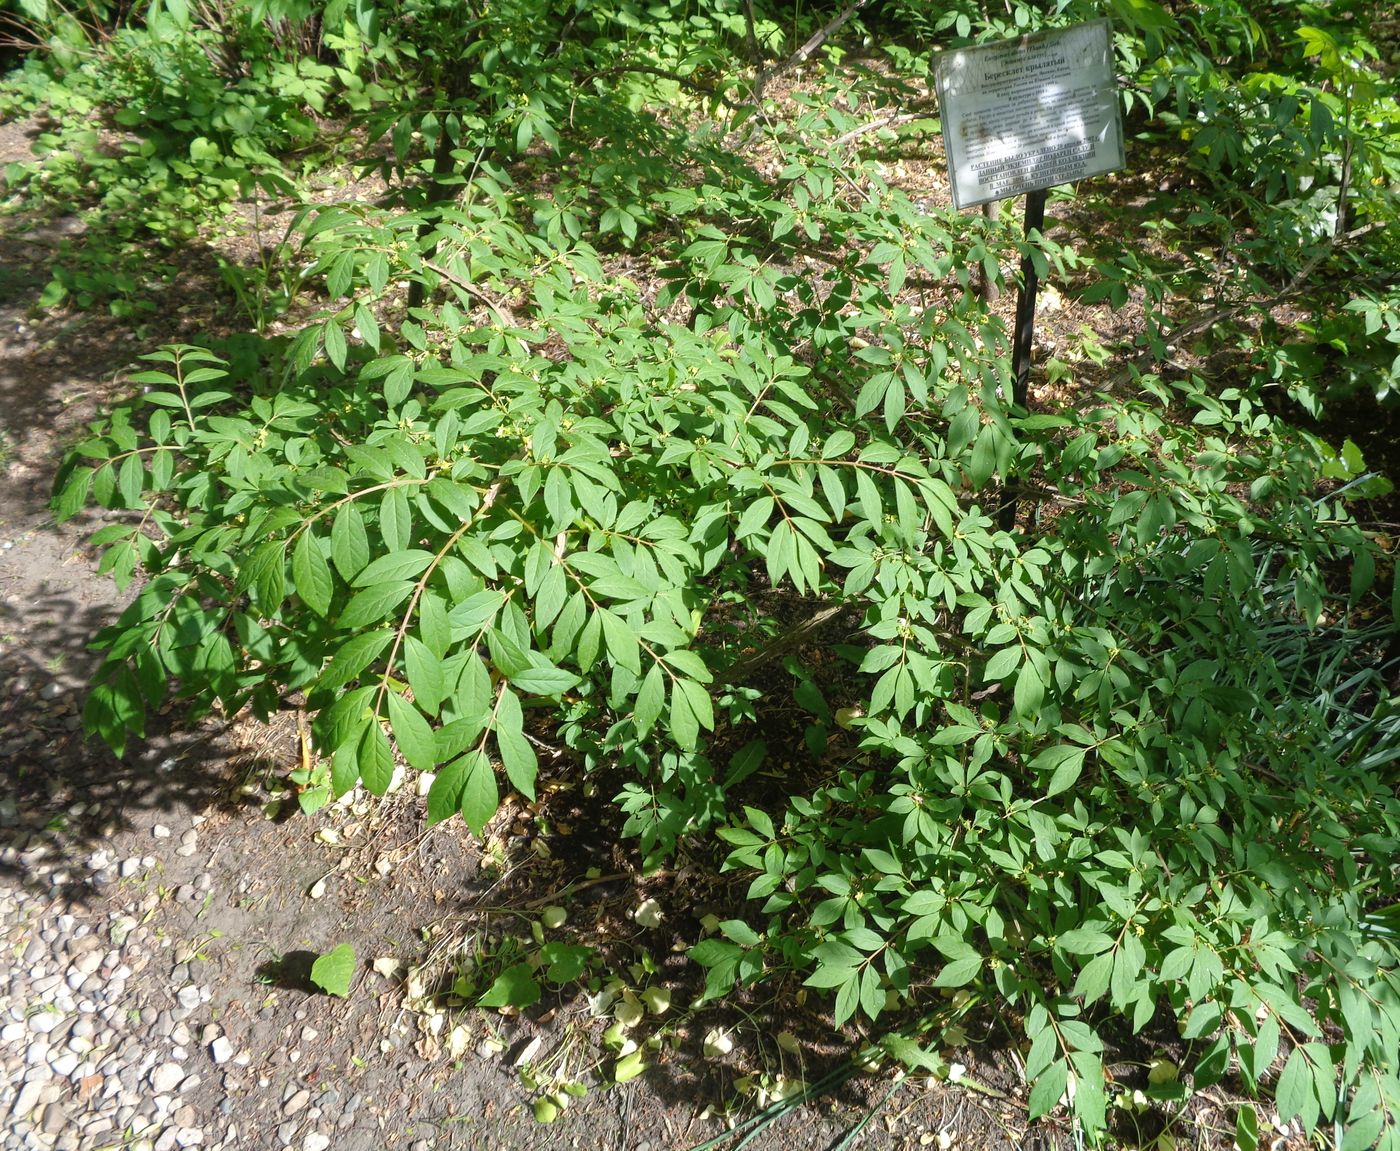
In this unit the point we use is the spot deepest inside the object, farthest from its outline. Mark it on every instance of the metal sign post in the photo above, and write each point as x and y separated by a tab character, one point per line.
1020	117
1022	339
1025	305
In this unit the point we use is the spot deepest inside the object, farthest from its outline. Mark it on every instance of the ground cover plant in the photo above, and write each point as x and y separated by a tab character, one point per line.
648	352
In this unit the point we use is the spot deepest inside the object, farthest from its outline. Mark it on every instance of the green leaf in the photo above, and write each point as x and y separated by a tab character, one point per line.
621	642
333	971
517	756
1247	1128
368	328
651	698
909	1052
265	575
629	1066
434	624
74	495
376	759
130	479
832	976
395	520
349	542
1090	1096
374	604
1065	763
689	663
425	674
755	517
401	565
514	987
312	574
1048	1088
838	444
1093	981
960	971
1003	663
565	961
1294	1094
691	710
543	678
984	458
412	733
480	797
1029	693
445	794
1083	941
335	343
352	658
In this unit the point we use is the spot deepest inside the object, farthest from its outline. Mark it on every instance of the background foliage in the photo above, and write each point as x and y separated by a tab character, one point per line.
644	354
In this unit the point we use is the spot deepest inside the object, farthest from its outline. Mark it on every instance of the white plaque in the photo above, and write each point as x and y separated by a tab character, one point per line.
1030	113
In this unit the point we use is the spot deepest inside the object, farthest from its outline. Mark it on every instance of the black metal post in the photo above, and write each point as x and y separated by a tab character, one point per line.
1025	303
1022	340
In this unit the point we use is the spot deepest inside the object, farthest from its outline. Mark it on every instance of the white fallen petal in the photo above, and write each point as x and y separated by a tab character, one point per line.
629	1012
717	1044
529	1051
1162	1071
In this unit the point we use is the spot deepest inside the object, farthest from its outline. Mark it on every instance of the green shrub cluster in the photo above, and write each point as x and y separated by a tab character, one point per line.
1132	760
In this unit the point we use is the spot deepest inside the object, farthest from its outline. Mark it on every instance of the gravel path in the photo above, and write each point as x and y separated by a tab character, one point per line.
115	1034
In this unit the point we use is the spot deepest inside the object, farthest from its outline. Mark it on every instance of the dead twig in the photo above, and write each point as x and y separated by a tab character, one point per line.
1200	324
876	125
820	37
689	82
780	645
501	311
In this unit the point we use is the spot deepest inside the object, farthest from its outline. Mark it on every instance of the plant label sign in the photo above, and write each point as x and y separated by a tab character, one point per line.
1028	114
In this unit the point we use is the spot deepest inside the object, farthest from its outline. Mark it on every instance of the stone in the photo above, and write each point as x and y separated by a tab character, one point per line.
64	1064
167	1077
27	1099
42	1022
221	1050
87	962
296	1102
55	1119
315	1141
